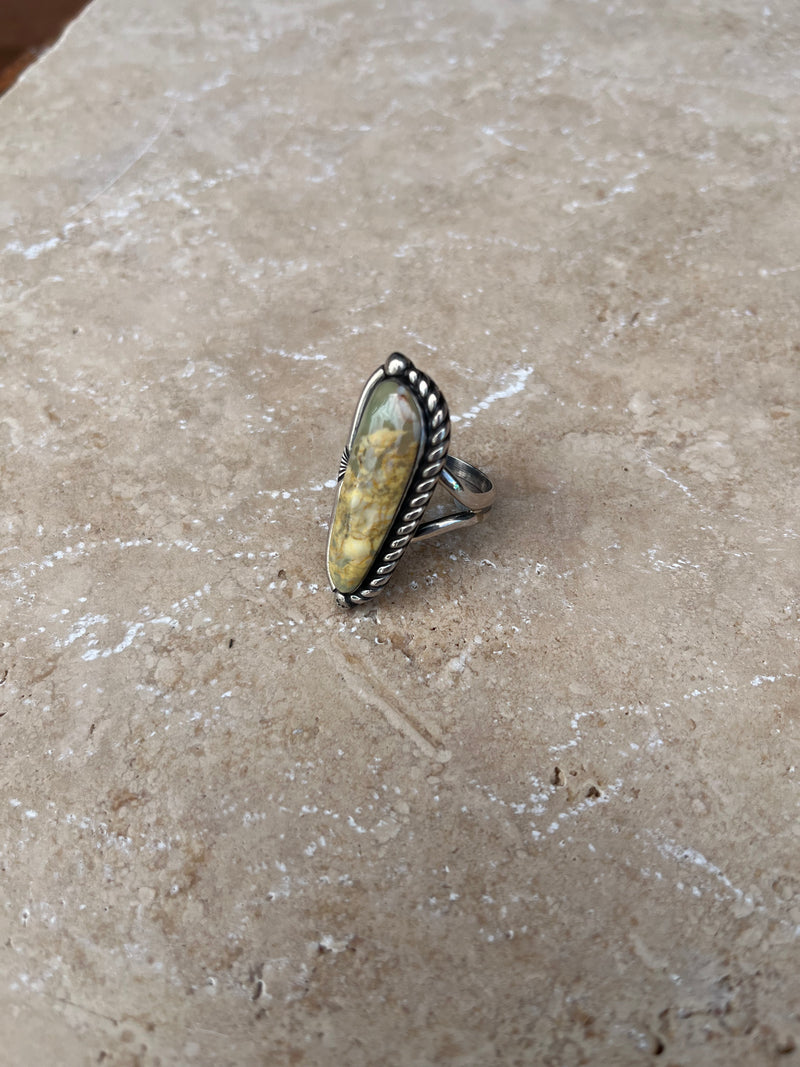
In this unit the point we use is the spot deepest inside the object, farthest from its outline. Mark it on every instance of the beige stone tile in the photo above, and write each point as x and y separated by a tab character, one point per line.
538	803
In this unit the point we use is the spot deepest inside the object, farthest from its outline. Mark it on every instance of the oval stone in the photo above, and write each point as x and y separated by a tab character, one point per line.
382	460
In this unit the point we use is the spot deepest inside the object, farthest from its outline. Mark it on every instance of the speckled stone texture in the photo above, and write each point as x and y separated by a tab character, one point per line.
386	446
539	803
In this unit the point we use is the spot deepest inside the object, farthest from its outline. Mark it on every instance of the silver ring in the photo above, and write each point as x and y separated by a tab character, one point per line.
396	454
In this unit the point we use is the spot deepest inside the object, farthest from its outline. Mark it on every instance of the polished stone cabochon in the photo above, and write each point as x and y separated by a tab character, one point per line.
382	460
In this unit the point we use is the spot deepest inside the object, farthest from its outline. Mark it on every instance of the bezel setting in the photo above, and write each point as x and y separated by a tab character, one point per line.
431	456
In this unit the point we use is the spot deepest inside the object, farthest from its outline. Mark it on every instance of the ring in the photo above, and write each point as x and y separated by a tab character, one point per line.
395	455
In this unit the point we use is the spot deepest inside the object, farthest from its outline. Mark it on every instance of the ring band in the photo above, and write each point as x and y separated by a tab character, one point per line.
469	487
396	454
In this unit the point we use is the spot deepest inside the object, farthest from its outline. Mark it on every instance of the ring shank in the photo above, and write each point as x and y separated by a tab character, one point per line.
470	487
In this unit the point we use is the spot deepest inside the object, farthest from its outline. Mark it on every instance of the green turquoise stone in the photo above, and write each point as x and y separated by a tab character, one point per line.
382	460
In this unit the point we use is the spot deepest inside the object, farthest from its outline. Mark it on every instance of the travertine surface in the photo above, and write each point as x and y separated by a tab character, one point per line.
539	803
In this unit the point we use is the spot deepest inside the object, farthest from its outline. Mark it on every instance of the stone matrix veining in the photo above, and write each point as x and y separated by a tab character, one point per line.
381	463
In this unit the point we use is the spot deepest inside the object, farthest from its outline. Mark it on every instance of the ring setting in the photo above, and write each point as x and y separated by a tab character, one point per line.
395	455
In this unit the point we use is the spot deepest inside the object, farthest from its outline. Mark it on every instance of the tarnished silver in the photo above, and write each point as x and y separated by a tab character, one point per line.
469	486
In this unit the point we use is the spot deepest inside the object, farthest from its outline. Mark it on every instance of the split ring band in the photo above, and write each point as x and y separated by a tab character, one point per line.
396	454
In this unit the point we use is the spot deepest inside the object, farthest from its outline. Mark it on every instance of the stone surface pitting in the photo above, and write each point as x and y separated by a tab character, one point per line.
382	460
537	803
